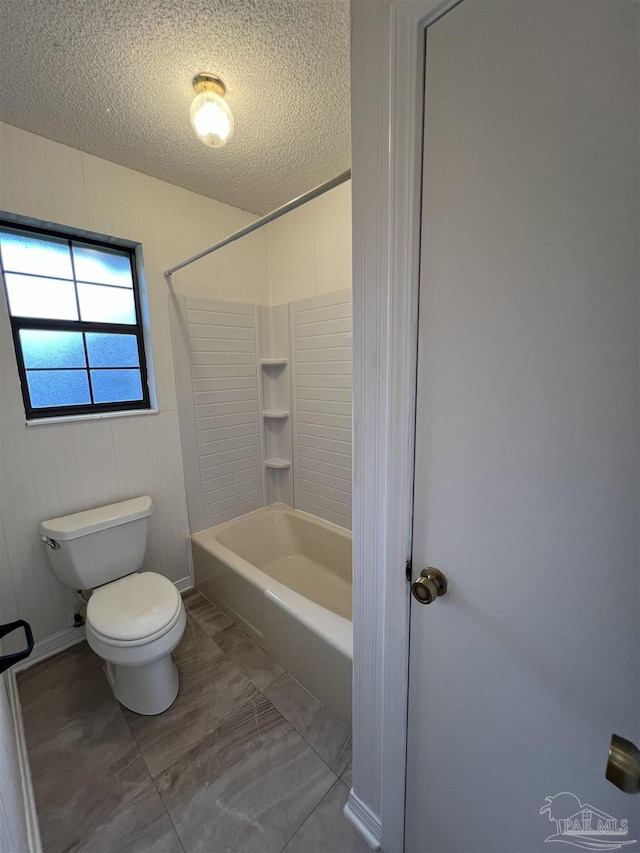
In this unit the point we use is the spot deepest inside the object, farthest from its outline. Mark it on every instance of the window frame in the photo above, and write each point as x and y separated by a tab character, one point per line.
19	322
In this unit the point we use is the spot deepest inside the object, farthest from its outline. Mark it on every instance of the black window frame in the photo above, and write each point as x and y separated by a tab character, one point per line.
19	322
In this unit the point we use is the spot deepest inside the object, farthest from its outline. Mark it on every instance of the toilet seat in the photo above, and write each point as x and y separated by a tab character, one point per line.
134	610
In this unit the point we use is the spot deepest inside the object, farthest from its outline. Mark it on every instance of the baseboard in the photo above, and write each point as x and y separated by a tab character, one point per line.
33	829
51	646
184	584
364	820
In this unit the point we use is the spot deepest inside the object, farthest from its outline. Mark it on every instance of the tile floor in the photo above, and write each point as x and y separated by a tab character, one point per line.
244	760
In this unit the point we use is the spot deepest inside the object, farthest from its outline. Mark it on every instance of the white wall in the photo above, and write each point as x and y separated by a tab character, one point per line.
8	602
310	248
321	366
238	272
50	469
224	359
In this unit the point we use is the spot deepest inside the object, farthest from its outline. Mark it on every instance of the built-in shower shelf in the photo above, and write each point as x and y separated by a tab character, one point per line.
275	414
274	362
277	463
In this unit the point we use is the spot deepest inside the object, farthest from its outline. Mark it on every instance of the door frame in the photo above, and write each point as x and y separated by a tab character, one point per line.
387	88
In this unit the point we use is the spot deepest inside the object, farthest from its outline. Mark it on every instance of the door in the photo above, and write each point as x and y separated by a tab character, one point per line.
527	434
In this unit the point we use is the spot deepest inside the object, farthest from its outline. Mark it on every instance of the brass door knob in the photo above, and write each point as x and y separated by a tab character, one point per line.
431	584
623	765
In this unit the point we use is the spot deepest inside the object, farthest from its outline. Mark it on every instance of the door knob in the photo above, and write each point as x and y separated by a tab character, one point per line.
623	765
429	585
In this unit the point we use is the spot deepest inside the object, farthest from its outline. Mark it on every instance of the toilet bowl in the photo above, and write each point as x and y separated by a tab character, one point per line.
134	619
134	624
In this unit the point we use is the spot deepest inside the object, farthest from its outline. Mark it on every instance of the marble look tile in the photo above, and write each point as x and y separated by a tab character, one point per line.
85	764
210	618
347	777
327	828
196	648
318	726
59	689
247	787
140	825
256	664
211	689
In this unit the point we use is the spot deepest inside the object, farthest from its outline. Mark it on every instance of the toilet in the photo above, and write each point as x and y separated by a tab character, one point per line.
134	619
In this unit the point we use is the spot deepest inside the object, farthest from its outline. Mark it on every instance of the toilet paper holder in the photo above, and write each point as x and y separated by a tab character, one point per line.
9	660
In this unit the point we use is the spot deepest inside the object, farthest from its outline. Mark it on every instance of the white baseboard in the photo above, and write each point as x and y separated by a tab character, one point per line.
184	584
33	829
51	646
364	820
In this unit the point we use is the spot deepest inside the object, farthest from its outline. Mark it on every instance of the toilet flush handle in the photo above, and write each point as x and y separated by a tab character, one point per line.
55	546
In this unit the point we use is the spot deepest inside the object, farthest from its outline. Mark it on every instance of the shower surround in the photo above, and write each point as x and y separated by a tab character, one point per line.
264	395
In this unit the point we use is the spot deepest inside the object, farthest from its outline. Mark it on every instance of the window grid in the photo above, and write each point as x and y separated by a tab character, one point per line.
79	326
59	278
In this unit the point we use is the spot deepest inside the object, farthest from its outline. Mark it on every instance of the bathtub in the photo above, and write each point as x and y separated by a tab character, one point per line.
285	577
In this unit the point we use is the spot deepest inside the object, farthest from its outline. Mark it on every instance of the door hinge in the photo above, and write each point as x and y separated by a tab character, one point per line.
408	569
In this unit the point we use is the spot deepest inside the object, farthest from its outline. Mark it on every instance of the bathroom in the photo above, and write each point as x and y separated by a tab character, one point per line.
266	294
495	458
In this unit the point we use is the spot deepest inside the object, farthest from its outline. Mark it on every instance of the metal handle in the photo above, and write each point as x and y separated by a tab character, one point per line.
429	586
623	765
55	546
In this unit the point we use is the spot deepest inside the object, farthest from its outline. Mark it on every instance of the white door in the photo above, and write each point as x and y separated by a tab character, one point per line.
527	450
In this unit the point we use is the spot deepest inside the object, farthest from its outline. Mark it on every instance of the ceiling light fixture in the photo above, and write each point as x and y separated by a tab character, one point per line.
211	117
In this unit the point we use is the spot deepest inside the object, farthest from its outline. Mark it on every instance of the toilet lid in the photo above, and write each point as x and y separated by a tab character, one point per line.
133	607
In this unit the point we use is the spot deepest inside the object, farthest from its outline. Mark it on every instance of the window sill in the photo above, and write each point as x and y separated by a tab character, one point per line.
98	416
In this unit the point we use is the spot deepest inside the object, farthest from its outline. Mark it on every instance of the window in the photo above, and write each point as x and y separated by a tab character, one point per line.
75	314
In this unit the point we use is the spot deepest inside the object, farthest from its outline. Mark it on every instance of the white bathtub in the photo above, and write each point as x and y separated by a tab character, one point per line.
285	577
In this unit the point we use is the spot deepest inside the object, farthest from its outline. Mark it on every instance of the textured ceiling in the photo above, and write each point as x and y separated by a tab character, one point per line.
113	78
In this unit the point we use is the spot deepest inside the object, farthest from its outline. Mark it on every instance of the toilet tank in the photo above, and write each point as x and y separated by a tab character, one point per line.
96	546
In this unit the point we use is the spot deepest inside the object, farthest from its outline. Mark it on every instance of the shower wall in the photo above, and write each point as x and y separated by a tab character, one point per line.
223	366
321	367
255	433
219	408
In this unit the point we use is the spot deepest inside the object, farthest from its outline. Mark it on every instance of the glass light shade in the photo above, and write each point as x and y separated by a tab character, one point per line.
211	119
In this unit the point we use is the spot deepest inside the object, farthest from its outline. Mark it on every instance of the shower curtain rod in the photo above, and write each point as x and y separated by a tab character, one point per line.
264	220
